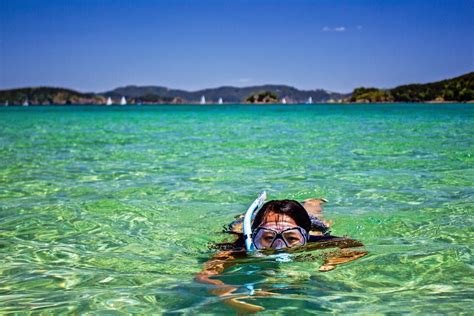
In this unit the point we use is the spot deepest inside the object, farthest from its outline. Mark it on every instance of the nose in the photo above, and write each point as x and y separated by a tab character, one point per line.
278	244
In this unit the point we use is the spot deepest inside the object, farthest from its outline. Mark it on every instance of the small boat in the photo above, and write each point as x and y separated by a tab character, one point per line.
123	101
220	101
203	100
26	103
310	100
6	103
109	101
283	101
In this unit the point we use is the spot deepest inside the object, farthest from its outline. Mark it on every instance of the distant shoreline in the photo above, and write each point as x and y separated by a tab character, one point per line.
454	90
227	104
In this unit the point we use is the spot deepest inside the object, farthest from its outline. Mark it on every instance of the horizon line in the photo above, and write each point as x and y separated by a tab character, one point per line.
228	86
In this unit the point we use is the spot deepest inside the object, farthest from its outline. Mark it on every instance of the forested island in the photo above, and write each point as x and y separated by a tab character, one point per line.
262	97
459	89
48	95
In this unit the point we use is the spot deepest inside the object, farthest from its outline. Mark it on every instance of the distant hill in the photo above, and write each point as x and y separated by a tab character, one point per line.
458	89
48	95
227	93
157	94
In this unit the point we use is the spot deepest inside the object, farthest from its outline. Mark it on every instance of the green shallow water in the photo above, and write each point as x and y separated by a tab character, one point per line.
113	209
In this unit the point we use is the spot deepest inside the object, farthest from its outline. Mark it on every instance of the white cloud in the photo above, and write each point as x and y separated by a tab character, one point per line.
334	29
244	80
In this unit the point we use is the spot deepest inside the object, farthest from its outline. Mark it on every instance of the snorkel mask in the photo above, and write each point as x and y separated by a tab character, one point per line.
266	238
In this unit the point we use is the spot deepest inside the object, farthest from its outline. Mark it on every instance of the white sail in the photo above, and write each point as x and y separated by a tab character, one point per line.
310	100
203	100
109	101
220	101
283	101
123	101
26	103
6	103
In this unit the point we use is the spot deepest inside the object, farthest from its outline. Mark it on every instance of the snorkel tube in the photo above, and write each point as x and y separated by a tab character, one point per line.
247	225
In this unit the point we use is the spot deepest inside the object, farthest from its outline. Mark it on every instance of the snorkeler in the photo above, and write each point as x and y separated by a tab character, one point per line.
276	226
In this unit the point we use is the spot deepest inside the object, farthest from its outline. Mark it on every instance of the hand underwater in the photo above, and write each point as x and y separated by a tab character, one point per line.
342	256
244	307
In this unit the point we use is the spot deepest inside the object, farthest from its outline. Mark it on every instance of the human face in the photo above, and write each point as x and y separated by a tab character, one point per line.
278	231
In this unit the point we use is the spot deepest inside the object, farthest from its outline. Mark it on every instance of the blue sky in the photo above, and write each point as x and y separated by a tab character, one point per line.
335	45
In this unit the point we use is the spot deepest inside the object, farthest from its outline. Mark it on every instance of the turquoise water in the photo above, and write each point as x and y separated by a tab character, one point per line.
113	209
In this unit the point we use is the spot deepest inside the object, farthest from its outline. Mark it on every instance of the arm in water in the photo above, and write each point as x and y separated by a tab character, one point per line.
314	207
214	267
340	257
344	254
226	259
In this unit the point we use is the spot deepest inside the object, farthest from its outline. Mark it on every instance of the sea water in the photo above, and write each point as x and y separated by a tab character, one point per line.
114	208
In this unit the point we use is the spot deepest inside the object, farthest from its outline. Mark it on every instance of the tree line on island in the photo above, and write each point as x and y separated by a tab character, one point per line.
459	89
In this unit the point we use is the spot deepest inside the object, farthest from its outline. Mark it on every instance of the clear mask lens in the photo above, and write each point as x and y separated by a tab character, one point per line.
265	238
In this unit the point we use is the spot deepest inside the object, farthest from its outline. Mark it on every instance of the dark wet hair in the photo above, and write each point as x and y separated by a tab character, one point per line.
290	208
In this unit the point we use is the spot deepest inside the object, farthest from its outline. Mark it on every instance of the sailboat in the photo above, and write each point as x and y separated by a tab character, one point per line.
26	103
283	101
220	101
203	100
109	101
6	103
310	100
123	101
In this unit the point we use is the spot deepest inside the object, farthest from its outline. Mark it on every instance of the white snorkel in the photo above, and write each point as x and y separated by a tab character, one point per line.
247	225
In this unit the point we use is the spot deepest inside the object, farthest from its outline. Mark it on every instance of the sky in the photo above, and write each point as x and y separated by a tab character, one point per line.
95	46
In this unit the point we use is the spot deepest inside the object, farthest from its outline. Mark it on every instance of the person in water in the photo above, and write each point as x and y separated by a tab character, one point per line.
280	225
